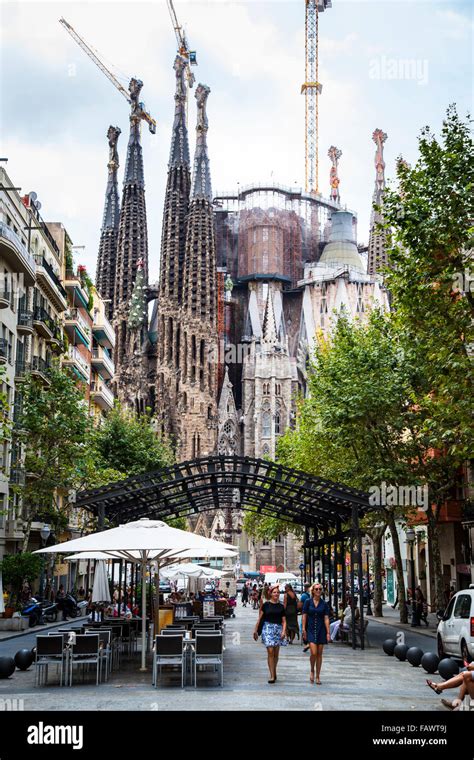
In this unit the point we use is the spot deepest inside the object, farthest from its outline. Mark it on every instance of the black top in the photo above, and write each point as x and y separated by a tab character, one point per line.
273	613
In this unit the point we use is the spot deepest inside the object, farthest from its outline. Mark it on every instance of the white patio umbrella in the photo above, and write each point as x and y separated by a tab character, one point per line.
101	590
2	606
139	541
186	570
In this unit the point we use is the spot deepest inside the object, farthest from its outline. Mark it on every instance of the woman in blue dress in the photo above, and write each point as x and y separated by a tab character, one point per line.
316	628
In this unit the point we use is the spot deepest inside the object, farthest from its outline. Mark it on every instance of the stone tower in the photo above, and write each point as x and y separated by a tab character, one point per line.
377	257
172	265
132	244
198	360
107	259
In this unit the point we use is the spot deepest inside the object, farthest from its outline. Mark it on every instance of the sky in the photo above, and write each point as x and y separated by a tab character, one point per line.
392	65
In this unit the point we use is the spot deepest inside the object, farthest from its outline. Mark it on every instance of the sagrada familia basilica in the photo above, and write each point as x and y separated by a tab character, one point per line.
218	349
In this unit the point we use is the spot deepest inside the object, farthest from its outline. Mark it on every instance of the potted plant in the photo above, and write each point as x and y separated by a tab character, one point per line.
16	569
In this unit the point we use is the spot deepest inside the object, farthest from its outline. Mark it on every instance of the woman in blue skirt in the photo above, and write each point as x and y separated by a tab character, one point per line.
316	628
272	625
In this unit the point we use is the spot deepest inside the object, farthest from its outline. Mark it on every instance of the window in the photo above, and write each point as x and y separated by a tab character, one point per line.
266	425
463	607
277	423
265	234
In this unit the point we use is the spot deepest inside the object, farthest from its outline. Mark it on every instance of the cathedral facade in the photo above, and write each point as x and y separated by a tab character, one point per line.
247	283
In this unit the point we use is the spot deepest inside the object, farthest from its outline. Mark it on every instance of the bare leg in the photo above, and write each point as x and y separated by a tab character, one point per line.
452	683
276	654
271	661
312	660
319	661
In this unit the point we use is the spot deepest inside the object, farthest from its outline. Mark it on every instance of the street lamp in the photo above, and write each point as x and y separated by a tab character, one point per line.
411	536
369	608
45	533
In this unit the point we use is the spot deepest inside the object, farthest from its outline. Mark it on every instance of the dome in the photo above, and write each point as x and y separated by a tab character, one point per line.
341	248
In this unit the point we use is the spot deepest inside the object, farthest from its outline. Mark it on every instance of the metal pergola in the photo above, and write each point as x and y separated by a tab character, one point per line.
329	512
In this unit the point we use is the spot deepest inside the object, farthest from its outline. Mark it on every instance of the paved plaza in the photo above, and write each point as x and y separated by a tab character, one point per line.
351	680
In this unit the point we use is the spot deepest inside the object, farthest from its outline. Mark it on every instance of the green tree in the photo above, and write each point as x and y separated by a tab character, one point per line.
127	444
430	217
52	428
17	568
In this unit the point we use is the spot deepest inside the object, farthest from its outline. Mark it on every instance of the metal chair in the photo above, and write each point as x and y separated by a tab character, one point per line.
50	650
168	650
209	651
173	632
85	651
105	650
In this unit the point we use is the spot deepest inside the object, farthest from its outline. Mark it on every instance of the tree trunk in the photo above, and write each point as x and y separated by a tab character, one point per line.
399	568
377	536
26	532
433	543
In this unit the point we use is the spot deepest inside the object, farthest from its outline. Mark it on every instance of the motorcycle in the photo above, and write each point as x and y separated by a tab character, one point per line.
40	612
75	608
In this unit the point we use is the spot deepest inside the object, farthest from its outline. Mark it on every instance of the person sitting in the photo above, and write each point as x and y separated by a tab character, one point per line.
465	682
346	623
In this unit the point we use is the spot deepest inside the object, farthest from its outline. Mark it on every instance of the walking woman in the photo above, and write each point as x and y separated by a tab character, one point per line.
316	628
290	603
272	623
245	595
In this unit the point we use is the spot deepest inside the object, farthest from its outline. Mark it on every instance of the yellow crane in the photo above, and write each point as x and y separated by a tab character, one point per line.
183	47
311	89
140	112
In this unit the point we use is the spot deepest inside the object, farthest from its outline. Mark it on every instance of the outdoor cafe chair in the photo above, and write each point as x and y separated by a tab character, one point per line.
85	651
50	650
105	650
114	643
209	650
173	632
169	650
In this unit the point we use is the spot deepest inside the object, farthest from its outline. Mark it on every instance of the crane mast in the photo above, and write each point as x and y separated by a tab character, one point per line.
183	47
143	114
311	89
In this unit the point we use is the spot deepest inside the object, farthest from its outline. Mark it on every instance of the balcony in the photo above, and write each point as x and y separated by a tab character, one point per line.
103	331
102	363
25	321
77	363
76	327
5	299
102	395
40	368
49	280
16	254
17	475
22	369
76	289
43	322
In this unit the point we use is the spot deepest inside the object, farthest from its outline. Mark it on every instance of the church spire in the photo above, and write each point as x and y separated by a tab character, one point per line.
201	172
377	256
107	258
179	154
269	324
334	154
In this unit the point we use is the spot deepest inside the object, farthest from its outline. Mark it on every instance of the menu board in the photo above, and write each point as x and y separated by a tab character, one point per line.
208	609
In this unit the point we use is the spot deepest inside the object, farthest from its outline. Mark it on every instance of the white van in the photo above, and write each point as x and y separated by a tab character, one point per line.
281	578
456	629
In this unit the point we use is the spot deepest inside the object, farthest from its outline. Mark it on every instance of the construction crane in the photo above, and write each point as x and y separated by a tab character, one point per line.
183	47
139	112
311	89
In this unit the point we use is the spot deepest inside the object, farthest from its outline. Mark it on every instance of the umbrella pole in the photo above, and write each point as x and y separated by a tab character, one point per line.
157	597
143	667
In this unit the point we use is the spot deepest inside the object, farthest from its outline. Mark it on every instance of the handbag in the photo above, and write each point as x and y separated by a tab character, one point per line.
260	625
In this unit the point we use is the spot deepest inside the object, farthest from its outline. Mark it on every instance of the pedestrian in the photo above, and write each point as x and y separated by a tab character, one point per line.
255	597
464	680
290	603
316	628
394	605
304	597
421	606
265	595
245	595
271	624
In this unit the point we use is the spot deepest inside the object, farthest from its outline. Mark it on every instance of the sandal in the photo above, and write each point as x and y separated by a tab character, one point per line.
311	678
434	686
318	682
271	680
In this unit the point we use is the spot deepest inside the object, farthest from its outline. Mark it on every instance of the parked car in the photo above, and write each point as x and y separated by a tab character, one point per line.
165	587
456	627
